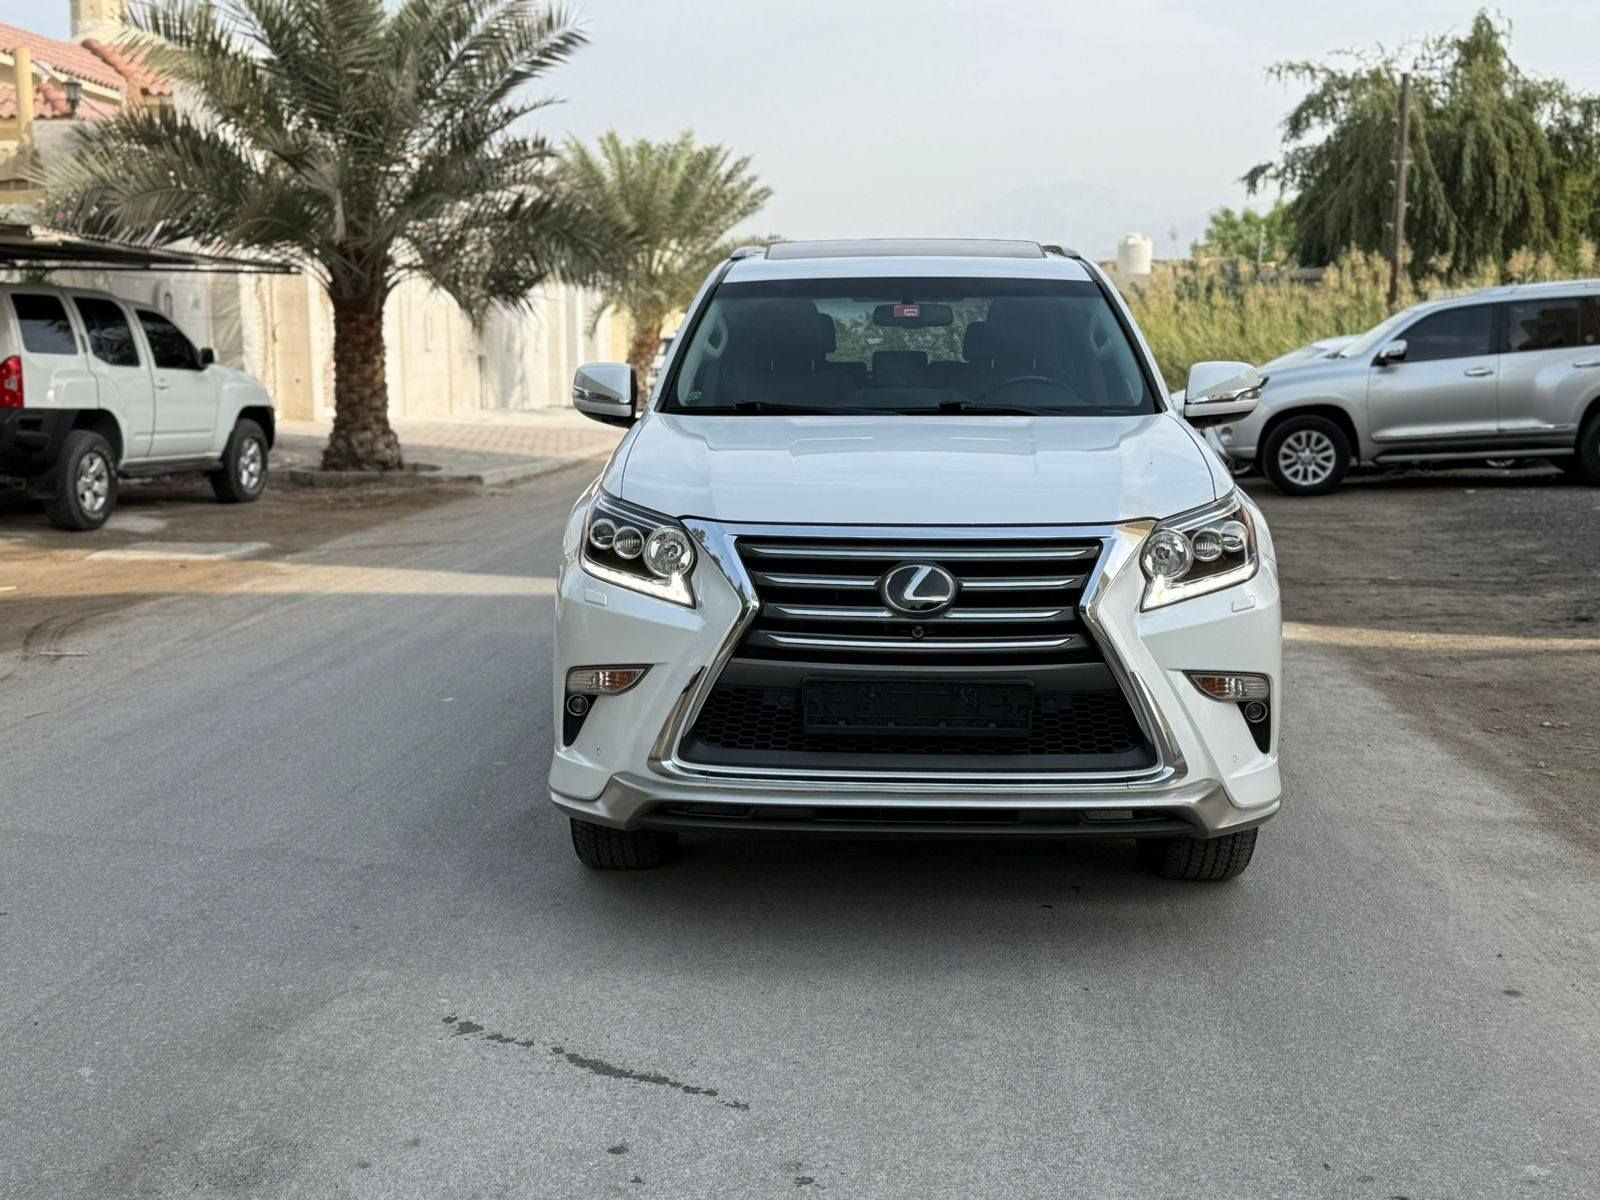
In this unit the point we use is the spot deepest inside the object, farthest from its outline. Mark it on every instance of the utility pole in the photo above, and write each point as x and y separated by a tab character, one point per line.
1401	163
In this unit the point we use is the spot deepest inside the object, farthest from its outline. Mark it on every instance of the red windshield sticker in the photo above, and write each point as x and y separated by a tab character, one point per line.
907	310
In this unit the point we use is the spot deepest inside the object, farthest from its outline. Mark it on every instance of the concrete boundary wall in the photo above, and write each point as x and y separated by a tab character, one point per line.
280	329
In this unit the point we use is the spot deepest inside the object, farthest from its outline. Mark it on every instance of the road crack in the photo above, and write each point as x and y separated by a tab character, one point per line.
460	1027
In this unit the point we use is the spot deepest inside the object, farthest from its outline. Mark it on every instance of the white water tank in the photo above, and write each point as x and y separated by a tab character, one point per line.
1135	254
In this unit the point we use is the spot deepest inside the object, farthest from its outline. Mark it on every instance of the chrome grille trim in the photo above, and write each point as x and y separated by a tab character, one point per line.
827	612
817	641
867	582
1032	583
914	550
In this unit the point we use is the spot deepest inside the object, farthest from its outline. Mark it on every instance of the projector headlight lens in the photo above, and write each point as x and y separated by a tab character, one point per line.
668	552
641	550
1198	552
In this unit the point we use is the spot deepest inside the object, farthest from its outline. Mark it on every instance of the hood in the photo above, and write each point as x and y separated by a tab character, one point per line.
898	470
1315	371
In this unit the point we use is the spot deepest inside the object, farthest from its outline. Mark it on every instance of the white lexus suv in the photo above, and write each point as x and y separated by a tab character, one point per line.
908	540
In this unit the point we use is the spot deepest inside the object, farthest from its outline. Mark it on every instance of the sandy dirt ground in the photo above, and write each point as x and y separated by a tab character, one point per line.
1471	599
50	584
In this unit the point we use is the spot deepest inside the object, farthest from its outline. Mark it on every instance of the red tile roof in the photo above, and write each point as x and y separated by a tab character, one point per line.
66	57
131	67
50	103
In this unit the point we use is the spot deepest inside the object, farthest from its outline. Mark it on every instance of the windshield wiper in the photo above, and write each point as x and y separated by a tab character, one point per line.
793	410
972	408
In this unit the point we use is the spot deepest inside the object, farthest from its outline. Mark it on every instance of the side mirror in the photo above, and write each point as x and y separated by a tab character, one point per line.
1221	391
1394	352
606	393
207	356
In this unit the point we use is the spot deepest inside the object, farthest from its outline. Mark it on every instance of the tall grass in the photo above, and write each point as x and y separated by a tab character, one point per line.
1191	312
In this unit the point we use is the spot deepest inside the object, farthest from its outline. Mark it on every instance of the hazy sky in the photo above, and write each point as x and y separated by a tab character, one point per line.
1058	119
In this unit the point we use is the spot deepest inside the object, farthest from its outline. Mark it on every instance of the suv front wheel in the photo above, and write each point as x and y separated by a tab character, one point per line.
606	849
1585	464
1200	859
243	476
1305	456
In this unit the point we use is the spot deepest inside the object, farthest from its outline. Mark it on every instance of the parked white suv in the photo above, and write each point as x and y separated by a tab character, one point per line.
93	388
908	540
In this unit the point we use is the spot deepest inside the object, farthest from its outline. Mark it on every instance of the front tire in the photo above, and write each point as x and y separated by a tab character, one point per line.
85	490
605	849
1200	859
243	476
1585	464
1305	456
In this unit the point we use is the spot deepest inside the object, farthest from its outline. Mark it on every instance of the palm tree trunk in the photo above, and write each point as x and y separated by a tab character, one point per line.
361	439
646	341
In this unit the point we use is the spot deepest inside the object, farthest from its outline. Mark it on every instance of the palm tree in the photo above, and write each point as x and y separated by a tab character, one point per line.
371	142
677	201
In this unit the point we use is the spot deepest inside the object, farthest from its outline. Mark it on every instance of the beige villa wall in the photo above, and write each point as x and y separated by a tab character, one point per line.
280	329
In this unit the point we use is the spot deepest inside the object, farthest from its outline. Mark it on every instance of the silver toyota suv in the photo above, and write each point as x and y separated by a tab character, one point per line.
1507	373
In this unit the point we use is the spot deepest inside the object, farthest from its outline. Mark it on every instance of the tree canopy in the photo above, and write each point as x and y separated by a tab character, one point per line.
369	141
1259	237
678	201
1501	161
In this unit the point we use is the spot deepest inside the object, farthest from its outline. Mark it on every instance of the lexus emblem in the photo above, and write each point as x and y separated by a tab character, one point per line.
918	589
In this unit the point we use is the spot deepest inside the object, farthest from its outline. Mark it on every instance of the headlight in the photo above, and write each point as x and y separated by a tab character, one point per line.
635	548
1197	552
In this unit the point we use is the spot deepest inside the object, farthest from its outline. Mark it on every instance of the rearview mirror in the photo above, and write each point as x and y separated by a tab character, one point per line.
606	392
207	356
913	316
1394	352
1221	391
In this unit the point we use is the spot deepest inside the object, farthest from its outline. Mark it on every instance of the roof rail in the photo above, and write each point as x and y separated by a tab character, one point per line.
748	252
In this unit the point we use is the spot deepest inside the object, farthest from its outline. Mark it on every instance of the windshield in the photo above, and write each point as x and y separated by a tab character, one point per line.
1381	332
920	346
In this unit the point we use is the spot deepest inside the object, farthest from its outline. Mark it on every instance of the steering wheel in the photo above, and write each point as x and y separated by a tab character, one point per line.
1016	379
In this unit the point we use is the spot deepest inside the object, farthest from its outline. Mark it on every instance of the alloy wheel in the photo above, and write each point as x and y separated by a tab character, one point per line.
252	465
1307	457
93	483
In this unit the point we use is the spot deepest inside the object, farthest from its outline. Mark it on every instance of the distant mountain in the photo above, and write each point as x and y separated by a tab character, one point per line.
1088	217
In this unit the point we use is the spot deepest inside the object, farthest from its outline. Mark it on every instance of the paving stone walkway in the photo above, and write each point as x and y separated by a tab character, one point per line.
493	447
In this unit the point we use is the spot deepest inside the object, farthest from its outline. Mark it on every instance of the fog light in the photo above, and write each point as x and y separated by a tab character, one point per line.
1255	712
1232	688
607	681
577	705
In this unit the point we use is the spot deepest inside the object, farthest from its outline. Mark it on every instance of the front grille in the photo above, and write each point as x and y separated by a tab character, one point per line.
825	615
1016	600
770	718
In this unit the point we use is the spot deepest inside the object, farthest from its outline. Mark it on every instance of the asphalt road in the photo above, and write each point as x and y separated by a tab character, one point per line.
283	913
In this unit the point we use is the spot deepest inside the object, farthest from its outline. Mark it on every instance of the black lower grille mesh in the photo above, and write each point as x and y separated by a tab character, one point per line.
1064	724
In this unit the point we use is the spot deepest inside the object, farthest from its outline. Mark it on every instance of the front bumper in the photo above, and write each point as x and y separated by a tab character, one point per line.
622	768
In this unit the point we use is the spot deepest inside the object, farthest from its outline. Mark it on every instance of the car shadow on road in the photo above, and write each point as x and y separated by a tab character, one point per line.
825	903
